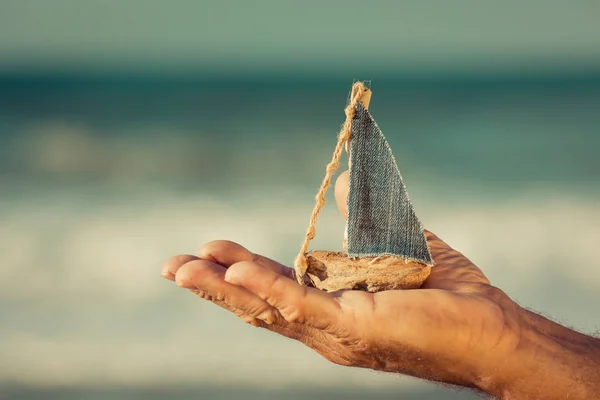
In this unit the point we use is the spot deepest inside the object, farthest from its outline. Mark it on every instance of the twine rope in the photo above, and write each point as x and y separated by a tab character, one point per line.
301	263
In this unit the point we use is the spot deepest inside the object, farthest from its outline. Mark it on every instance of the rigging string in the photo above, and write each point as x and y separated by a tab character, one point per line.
301	263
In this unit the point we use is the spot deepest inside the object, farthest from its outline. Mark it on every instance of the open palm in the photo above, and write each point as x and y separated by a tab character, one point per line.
436	332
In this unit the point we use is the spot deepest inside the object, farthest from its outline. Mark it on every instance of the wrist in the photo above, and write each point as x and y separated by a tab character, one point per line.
549	361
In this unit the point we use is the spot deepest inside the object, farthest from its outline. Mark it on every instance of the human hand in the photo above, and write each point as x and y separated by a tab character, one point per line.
457	329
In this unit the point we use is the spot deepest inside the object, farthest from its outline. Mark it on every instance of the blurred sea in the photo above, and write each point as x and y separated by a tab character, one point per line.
102	177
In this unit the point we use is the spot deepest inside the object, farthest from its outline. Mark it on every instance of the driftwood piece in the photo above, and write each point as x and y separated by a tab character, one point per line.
332	271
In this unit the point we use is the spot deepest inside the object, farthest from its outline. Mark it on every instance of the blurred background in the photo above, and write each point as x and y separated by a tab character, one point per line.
131	131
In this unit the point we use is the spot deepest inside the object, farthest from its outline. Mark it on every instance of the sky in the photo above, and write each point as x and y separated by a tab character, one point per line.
309	35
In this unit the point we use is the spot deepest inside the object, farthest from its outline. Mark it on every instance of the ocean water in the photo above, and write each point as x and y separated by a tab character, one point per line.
104	177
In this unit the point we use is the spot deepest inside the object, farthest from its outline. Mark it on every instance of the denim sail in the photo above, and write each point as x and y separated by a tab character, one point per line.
381	218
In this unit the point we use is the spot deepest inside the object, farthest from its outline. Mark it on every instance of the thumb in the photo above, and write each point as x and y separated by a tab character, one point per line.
341	193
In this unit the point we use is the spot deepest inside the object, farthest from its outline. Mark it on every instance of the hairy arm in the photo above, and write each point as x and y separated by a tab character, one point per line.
550	362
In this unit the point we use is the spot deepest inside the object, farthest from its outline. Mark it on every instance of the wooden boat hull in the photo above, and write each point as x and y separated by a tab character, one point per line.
333	271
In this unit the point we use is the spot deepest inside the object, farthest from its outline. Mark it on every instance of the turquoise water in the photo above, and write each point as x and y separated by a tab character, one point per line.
513	130
103	177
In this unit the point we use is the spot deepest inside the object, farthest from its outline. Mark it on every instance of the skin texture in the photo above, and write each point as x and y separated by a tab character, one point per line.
489	343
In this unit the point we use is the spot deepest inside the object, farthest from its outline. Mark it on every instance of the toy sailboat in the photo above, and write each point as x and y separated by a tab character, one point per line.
385	246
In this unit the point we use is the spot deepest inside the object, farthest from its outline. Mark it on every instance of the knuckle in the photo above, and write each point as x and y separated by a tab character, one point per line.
493	293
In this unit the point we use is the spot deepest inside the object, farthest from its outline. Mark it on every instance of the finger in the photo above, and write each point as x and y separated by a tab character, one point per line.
208	277
451	266
301	333
341	193
203	295
241	314
432	237
170	267
448	271
227	253
296	303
